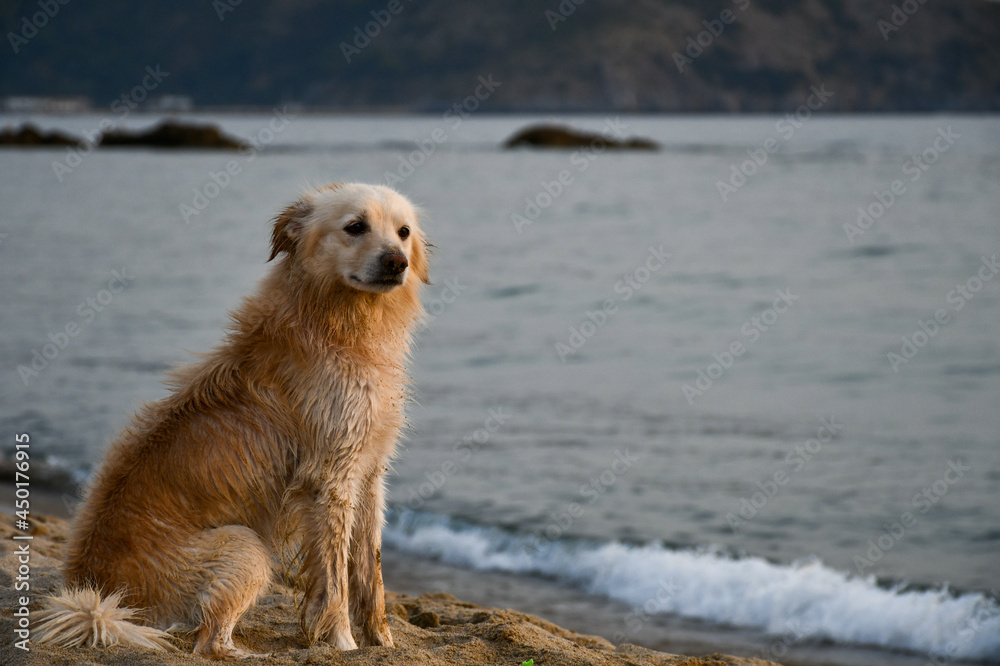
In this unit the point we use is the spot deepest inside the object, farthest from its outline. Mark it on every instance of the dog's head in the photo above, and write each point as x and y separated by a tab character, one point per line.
364	236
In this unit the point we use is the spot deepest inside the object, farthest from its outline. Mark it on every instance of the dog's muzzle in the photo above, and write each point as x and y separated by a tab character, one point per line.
393	264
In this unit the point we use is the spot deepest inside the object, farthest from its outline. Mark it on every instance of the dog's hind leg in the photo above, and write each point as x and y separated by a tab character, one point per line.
235	568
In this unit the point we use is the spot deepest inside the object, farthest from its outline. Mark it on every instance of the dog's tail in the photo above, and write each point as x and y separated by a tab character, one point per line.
81	617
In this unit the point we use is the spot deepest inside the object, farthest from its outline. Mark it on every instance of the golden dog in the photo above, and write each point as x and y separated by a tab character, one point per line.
285	429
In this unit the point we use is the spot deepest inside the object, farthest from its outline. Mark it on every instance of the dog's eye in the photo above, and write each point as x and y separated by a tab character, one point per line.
357	228
404	232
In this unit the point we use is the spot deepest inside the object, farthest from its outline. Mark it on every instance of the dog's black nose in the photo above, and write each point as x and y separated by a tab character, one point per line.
394	263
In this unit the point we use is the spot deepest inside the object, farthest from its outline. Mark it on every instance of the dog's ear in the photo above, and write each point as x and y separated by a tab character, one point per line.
418	260
288	228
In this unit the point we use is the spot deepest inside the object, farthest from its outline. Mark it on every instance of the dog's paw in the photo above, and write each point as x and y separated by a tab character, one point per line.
341	640
329	626
228	653
378	634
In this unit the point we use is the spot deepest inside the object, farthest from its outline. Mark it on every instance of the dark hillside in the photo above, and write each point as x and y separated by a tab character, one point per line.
612	55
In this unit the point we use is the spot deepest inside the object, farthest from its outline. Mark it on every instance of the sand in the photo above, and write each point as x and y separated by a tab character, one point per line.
428	629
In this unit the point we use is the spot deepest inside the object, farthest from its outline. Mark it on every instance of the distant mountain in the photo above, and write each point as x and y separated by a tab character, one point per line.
553	55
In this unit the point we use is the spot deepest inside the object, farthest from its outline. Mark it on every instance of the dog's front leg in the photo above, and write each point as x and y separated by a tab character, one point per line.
327	521
367	591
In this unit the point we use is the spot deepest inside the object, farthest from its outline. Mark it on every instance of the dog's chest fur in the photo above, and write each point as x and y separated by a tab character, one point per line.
353	408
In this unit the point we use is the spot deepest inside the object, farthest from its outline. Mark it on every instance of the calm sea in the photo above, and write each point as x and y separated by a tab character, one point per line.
750	380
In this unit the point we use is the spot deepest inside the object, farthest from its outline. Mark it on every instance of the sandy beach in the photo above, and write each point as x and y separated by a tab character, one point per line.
428	629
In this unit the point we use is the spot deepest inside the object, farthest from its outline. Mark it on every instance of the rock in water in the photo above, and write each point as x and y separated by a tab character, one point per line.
555	136
29	135
172	134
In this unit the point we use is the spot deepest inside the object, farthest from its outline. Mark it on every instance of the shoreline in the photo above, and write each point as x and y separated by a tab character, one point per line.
412	579
429	627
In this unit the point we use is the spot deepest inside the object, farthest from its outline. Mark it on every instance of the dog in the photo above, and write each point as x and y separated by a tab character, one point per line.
282	432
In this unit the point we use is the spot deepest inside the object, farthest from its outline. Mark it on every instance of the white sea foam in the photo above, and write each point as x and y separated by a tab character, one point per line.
816	601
